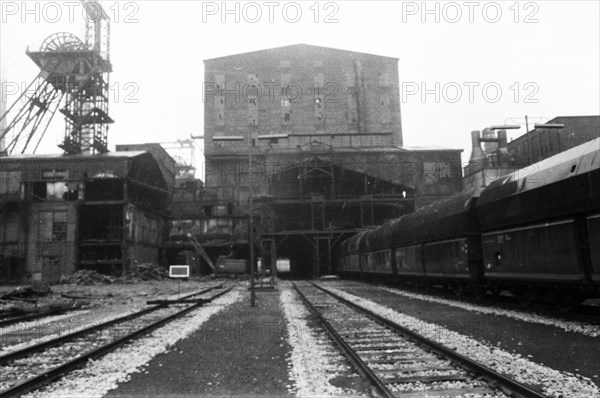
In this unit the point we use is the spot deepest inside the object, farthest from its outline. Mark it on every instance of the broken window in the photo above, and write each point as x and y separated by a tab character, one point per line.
286	79
286	108
102	223
104	189
384	79
219	98
52	226
385	114
352	108
319	107
319	80
59	229
350	79
38	191
10	182
56	190
436	171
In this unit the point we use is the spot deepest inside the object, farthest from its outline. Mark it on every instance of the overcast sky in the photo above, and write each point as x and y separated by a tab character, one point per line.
543	56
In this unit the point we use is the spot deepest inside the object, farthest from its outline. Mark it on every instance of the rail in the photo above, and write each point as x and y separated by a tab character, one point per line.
492	377
56	372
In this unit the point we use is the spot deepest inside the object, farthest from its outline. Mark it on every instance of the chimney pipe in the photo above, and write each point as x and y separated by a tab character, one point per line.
502	140
477	154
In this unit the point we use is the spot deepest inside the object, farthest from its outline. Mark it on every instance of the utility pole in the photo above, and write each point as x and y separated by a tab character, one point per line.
270	137
251	221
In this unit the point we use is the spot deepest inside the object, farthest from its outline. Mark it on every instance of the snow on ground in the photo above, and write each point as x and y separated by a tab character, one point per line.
569	326
311	366
553	382
105	373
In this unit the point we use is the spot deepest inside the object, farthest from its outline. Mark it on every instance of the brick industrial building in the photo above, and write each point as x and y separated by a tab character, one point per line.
323	130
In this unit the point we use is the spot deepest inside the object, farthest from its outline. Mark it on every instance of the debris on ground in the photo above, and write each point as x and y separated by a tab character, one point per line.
87	278
23	294
149	271
141	272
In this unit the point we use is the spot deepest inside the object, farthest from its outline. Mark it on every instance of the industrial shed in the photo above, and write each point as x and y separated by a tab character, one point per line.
63	213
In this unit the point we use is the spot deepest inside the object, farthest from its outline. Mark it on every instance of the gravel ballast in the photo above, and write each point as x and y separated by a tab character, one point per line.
553	383
314	361
569	326
241	351
550	345
102	375
108	302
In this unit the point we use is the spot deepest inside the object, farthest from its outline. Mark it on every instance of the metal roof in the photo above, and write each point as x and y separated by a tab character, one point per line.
296	46
578	160
559	186
108	155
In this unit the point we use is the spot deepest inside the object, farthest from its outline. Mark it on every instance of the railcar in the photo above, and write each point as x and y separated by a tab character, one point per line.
351	255
447	236
541	228
535	232
376	253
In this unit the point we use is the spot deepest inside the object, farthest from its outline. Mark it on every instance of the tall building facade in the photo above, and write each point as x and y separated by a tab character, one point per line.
321	129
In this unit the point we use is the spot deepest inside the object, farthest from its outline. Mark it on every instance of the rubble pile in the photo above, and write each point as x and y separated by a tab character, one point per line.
23	294
149	271
87	278
141	272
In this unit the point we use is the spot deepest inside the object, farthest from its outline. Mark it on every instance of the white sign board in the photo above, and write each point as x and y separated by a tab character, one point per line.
179	271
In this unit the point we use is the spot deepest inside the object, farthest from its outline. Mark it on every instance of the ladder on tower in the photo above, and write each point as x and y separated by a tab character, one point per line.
201	251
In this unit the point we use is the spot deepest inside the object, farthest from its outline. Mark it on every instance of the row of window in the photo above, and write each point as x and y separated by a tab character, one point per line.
323	92
543	145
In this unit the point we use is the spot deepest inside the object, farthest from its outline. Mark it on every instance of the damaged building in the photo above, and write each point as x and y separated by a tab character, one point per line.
313	135
303	142
60	213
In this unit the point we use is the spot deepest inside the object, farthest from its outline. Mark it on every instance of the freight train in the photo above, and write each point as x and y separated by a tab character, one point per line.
534	233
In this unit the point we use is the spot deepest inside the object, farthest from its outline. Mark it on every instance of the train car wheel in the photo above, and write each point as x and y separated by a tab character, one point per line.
459	289
478	292
496	290
566	301
524	300
525	296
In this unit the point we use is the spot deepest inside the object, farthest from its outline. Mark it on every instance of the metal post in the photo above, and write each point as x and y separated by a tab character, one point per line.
528	140
251	223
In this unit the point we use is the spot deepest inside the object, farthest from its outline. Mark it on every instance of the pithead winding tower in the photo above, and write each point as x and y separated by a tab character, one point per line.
73	79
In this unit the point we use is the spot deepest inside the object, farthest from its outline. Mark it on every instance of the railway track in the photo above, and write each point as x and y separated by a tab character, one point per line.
401	363
20	317
28	369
